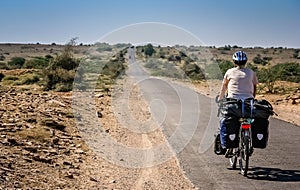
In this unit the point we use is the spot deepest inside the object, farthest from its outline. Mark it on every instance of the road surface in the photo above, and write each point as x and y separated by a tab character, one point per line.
189	121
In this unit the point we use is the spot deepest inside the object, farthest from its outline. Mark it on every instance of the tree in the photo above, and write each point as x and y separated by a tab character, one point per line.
149	50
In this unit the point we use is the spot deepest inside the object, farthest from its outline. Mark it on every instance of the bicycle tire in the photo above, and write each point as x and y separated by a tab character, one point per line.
244	156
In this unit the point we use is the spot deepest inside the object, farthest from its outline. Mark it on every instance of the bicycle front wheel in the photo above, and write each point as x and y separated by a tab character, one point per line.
244	156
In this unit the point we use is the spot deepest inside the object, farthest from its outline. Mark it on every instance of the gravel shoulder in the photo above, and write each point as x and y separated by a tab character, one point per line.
41	147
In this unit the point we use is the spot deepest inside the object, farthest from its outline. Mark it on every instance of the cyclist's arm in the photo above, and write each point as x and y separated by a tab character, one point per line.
223	88
255	82
254	90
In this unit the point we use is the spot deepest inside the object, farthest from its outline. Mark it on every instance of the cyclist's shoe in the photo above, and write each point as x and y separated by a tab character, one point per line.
229	153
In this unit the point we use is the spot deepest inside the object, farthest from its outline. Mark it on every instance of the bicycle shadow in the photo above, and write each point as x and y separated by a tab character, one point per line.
273	174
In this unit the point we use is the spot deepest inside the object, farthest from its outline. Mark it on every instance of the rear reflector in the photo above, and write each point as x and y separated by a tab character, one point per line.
245	125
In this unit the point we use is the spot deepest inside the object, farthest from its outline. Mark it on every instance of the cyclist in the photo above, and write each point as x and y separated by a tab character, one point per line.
240	83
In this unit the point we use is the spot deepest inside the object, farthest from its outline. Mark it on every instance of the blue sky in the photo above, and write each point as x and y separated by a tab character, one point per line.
215	22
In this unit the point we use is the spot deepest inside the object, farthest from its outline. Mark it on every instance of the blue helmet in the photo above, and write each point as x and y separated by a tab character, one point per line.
239	58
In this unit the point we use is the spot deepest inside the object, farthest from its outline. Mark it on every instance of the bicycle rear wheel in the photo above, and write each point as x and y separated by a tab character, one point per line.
244	156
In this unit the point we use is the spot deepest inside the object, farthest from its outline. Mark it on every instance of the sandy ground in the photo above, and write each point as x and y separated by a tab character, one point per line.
167	175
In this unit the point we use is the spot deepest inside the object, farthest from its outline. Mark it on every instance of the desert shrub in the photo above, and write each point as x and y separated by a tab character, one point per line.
259	60
165	69
193	71
16	62
36	63
30	79
2	57
65	61
56	78
61	70
226	48
1	76
284	72
27	79
172	58
267	59
267	78
3	65
122	45
103	47
114	67
9	79
151	65
252	66
49	57
224	65
296	53
287	71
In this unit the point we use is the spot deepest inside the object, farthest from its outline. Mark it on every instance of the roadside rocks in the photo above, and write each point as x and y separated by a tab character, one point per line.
39	142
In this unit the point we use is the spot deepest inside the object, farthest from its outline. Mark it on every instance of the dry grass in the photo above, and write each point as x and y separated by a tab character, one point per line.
37	133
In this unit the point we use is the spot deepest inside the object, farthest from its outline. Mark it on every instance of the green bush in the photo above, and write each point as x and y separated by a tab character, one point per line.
16	62
36	63
287	71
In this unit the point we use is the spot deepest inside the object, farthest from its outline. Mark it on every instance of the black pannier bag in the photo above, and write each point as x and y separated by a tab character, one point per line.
236	108
262	109
260	133
217	145
230	132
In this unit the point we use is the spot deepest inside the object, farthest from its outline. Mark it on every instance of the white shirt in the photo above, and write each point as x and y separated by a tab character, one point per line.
241	81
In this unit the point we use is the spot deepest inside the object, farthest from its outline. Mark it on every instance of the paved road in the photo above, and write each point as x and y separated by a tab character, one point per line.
189	121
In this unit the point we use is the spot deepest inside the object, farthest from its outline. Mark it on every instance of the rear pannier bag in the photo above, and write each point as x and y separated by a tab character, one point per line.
236	108
229	132
260	133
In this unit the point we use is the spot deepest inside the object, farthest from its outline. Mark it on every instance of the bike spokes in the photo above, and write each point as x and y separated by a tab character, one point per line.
244	156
